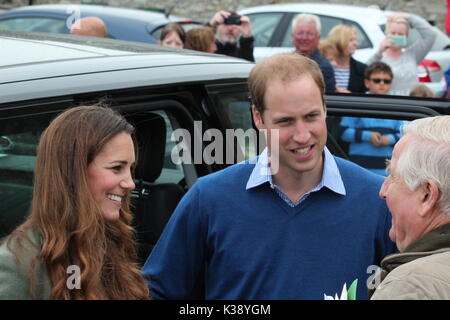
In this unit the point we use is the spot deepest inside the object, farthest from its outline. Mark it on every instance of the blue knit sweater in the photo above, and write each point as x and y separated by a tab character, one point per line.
249	244
361	151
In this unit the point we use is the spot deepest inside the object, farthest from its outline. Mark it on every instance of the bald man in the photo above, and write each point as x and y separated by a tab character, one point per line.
89	26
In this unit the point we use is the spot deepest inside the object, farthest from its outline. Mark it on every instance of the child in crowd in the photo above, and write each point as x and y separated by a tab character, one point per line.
378	78
422	91
328	51
371	140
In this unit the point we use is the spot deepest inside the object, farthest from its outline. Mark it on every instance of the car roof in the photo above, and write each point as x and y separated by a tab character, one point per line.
148	16
47	65
358	13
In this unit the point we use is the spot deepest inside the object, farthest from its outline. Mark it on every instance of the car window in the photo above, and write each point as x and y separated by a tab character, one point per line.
149	128
237	106
19	138
171	172
34	25
263	26
327	24
161	180
354	135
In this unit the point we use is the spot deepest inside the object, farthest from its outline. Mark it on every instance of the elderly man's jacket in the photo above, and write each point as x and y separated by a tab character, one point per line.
421	271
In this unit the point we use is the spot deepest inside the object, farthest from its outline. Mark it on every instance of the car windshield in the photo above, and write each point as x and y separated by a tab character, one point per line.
34	24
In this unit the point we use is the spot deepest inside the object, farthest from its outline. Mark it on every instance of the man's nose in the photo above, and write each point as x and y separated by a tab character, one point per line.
302	133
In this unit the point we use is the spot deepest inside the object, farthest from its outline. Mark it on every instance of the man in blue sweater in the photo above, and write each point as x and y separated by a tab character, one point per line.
297	223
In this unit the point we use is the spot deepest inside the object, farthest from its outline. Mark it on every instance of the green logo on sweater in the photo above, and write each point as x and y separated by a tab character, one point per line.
349	294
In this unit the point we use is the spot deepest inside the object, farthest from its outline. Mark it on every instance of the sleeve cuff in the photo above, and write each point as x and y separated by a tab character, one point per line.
366	136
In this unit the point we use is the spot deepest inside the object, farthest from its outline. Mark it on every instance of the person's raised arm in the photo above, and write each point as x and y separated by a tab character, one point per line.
422	46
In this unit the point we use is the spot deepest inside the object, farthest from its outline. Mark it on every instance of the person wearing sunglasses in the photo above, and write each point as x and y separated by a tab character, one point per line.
371	140
378	78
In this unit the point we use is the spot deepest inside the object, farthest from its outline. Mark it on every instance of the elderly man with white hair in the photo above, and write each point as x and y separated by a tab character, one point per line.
306	30
417	192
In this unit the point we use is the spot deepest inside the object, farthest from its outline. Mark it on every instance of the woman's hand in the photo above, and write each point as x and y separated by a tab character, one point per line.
246	26
384	45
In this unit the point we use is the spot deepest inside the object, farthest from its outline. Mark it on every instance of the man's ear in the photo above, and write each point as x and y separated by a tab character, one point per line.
257	117
367	83
429	196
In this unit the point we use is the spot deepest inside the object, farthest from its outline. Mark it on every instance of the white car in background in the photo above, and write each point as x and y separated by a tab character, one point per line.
272	27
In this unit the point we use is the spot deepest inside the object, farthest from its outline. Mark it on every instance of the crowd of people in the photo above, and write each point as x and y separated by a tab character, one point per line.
253	230
334	54
230	34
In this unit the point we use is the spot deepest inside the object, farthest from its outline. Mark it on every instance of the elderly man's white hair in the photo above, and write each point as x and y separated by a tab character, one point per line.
427	156
306	18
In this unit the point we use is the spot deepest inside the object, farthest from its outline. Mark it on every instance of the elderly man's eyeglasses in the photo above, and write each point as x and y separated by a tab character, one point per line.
303	33
378	80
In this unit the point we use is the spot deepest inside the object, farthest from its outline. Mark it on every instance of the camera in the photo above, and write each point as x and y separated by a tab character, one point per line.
233	18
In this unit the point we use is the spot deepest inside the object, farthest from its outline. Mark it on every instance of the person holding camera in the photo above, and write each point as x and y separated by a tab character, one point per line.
401	56
233	34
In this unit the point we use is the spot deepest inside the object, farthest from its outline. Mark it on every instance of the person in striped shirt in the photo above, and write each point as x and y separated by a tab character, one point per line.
348	72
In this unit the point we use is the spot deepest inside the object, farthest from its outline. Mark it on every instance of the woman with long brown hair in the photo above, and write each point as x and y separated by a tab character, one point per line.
201	39
77	242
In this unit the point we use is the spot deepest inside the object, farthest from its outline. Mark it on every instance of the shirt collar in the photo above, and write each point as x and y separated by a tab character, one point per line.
261	172
331	177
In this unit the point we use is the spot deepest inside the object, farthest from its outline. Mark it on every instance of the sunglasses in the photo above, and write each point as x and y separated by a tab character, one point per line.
378	80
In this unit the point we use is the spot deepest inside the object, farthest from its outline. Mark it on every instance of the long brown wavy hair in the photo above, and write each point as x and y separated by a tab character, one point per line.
70	222
200	39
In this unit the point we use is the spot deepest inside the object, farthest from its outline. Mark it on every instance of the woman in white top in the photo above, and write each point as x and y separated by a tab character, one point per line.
402	57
